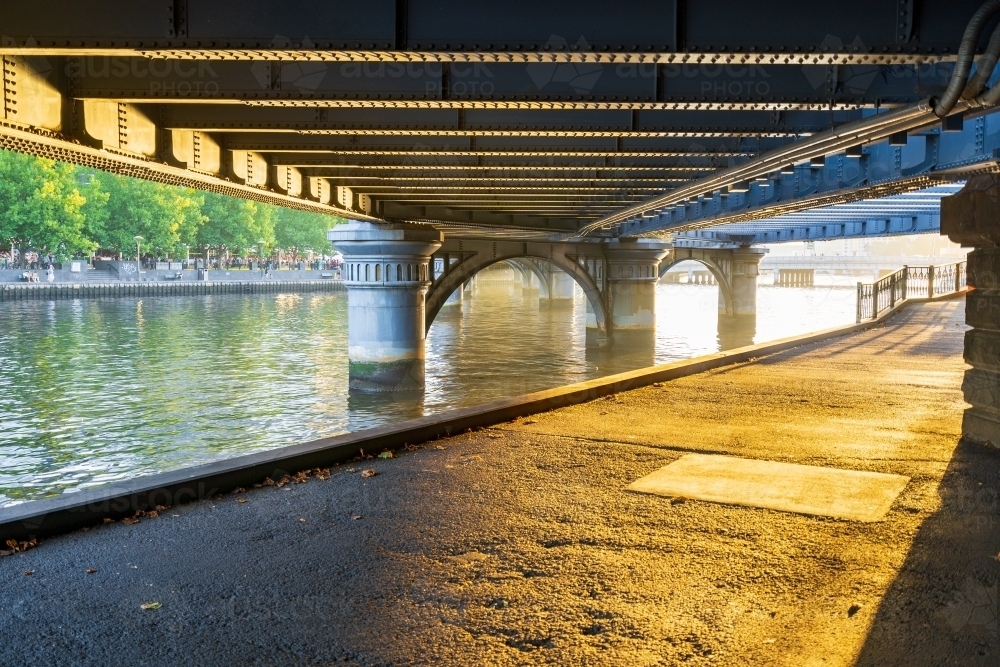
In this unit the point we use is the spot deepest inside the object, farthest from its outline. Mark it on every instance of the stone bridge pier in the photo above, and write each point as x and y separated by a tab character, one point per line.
387	275
971	217
561	289
633	271
743	272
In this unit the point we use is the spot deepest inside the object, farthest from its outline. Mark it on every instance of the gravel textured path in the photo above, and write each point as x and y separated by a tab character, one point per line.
518	545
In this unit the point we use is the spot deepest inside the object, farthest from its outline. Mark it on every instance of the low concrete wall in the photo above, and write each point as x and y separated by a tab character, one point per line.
92	290
41	518
109	275
64	275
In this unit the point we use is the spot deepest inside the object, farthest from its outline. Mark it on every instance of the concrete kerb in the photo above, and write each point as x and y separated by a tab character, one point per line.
71	511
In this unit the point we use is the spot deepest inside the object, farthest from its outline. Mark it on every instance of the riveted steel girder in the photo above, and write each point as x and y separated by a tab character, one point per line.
451	30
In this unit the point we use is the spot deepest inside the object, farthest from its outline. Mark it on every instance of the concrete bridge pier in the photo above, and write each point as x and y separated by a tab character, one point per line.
455	300
386	272
972	218
743	273
562	289
633	271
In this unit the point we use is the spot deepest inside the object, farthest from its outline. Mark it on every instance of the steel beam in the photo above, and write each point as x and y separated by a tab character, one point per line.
423	122
492	31
485	88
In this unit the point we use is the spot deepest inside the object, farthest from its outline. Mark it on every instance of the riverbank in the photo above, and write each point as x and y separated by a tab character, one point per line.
99	290
517	544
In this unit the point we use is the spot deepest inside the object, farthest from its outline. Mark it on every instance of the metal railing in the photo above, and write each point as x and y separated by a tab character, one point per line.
909	282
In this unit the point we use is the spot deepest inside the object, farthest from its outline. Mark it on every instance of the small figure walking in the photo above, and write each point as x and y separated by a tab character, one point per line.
50	274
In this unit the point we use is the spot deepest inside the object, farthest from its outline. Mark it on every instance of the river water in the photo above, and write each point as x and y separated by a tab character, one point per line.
94	391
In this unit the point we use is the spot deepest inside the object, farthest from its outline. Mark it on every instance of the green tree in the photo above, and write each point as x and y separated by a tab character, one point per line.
41	204
95	210
166	217
235	224
301	231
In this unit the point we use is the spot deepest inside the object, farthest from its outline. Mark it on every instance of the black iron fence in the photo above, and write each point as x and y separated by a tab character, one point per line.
909	282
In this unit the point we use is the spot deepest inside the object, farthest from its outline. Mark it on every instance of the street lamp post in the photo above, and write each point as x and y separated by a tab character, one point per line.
138	254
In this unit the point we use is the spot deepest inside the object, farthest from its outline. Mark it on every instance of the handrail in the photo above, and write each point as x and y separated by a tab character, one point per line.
909	282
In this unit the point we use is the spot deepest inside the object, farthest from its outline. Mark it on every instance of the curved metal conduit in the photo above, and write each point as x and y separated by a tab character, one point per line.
962	93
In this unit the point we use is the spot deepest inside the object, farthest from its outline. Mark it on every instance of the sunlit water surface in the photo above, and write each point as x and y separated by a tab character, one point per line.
94	391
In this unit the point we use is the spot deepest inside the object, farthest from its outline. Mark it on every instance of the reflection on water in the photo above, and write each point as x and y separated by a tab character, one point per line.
99	390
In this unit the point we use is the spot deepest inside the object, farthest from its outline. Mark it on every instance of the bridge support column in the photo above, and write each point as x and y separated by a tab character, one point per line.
529	281
745	267
562	287
633	271
386	274
972	218
455	300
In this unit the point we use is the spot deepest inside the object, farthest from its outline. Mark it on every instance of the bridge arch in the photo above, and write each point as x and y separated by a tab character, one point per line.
462	271
527	267
720	274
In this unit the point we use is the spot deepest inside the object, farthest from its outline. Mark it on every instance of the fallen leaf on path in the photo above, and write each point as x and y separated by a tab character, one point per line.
241	500
385	455
368	473
28	573
108	519
530	421
678	501
150	605
302	520
16	546
322	473
442	448
90	570
356	517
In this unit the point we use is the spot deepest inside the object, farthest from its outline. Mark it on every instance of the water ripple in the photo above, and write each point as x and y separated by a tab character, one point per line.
95	391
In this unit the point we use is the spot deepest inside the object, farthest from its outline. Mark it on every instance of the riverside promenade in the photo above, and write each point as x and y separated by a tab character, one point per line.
518	544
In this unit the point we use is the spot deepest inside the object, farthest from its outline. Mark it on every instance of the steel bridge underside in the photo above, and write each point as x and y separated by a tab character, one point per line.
546	122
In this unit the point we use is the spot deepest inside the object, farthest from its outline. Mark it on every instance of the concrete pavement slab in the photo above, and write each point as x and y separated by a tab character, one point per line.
842	494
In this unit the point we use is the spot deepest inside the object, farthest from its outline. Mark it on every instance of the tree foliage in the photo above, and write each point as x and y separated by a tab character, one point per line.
41	205
72	210
235	224
300	231
166	217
